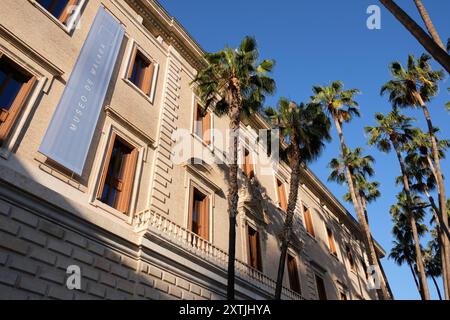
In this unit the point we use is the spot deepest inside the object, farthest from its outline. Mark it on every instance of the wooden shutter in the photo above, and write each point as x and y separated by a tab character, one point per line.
321	292
147	84
65	13
132	61
281	195
331	242
191	207
106	165
204	219
294	280
129	170
206	126
11	115
308	221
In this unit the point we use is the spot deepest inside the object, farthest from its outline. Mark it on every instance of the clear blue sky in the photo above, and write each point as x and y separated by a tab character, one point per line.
316	42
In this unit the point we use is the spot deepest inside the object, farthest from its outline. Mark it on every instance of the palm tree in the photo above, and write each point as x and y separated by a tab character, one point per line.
428	23
422	171
305	127
361	167
234	83
425	40
403	250
394	131
340	105
432	258
413	87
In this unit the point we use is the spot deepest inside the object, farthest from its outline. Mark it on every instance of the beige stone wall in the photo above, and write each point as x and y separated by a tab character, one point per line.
126	264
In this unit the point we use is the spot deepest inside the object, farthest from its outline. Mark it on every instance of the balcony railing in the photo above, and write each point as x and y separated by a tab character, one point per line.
191	242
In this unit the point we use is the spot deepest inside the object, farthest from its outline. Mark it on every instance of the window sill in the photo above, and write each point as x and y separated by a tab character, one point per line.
210	146
311	236
334	255
116	213
52	18
138	90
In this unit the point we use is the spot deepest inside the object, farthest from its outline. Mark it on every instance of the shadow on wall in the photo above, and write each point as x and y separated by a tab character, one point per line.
42	233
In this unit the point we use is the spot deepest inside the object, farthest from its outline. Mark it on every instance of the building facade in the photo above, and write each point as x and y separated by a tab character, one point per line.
137	223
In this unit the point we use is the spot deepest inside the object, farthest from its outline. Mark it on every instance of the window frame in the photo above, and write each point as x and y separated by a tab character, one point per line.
113	124
206	124
322	286
282	201
308	221
133	50
124	205
331	241
248	167
255	242
350	259
293	282
71	20
206	217
19	103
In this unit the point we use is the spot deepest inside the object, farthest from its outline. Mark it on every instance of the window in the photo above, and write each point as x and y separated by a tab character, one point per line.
321	292
117	180
308	221
331	242
294	280
364	265
140	72
60	9
202	123
281	192
247	165
342	295
350	259
199	213
253	249
15	87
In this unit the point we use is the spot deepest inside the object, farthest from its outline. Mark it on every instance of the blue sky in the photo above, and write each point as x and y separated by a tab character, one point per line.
316	42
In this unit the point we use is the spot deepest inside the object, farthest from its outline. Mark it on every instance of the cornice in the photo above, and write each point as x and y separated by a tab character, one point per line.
166	26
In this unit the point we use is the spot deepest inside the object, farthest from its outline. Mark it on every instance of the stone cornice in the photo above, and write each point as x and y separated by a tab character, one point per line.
166	26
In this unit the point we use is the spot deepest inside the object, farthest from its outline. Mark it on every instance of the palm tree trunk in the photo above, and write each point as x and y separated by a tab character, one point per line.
287	229
360	215
437	214
412	220
415	280
428	23
384	283
233	189
444	264
425	40
440	184
437	287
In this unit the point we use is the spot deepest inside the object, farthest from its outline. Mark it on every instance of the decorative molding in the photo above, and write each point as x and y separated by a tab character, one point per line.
29	51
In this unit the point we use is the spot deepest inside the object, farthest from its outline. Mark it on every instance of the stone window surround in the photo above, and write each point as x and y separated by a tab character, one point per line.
195	99
38	88
132	45
110	126
207	191
71	26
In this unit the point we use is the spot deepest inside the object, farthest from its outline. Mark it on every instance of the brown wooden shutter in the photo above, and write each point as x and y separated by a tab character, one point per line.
148	77
106	165
191	207
308	221
204	220
65	13
281	195
331	242
132	61
130	163
206	126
